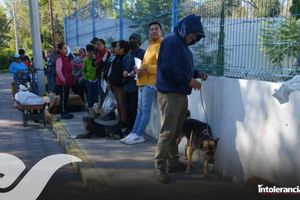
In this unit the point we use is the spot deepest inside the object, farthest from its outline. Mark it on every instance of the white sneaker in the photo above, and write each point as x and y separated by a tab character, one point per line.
135	139
127	137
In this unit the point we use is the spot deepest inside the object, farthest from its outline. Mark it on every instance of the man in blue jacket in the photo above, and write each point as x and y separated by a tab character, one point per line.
19	70
175	80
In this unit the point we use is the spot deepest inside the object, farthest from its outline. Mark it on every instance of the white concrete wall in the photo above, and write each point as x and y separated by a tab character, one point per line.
258	136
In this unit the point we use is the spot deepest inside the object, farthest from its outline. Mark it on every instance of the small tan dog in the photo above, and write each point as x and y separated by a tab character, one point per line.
199	136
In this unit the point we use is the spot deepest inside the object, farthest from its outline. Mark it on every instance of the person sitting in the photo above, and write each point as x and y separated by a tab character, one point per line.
19	70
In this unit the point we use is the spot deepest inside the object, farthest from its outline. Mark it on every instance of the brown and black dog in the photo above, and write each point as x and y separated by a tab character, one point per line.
93	128
199	136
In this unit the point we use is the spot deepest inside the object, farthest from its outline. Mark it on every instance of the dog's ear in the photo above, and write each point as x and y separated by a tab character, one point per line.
216	141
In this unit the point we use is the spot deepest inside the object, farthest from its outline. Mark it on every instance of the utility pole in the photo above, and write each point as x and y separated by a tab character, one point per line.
52	23
38	62
15	25
121	19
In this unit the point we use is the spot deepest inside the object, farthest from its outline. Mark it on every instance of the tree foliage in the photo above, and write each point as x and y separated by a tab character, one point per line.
4	28
281	40
267	8
61	8
143	12
295	9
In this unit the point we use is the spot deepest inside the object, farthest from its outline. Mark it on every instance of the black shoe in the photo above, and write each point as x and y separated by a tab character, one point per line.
82	136
67	116
162	176
178	167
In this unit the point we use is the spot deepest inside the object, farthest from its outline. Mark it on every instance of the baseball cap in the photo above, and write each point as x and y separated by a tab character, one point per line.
94	40
17	55
136	36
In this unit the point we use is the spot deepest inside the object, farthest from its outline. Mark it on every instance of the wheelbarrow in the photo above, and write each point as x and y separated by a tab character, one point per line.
32	112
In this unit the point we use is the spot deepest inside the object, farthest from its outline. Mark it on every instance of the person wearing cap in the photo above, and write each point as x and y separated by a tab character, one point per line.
146	80
19	70
130	87
175	80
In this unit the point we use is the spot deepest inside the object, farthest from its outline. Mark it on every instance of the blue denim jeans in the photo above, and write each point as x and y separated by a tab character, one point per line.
92	93
145	98
51	82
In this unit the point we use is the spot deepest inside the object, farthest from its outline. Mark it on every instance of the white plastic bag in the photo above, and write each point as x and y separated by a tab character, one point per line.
109	104
282	94
28	98
104	85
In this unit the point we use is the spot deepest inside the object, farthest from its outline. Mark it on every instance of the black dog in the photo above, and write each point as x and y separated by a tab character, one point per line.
199	136
99	130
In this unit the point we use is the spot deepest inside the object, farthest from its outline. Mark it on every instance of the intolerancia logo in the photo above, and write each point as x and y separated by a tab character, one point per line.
33	182
275	190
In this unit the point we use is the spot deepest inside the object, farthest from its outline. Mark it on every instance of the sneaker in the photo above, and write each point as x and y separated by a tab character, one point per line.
135	139
178	167
162	176
127	137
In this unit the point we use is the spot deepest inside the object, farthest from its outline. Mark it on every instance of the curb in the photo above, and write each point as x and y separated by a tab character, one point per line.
90	177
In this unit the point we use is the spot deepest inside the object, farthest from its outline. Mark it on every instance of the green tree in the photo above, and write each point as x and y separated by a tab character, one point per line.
143	12
61	9
5	52
279	41
295	9
4	28
267	8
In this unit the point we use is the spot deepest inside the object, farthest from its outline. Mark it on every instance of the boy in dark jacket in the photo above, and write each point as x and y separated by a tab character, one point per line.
129	76
175	80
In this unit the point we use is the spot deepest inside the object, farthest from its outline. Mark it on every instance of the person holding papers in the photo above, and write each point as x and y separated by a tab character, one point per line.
146	80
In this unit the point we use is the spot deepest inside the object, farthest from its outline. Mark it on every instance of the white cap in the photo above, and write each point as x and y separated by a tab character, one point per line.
17	55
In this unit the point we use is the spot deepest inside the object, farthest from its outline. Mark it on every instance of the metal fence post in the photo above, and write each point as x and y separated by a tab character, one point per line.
94	17
121	19
174	13
66	29
77	35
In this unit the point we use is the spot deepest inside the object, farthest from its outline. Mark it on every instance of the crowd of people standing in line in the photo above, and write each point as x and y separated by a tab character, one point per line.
167	70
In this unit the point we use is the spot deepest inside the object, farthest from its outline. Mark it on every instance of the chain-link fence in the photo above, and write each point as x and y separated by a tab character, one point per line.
250	39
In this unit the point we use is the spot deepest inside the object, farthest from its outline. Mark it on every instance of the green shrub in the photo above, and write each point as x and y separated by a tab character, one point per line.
6	57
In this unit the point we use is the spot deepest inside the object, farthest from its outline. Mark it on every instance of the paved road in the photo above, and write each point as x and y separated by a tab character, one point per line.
33	143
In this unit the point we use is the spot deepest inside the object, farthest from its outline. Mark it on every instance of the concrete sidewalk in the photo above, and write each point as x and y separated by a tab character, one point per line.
31	144
117	170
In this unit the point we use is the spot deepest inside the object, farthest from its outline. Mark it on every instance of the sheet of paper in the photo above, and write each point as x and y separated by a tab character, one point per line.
138	62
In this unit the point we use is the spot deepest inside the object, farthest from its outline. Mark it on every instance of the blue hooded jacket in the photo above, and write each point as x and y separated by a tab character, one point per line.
175	67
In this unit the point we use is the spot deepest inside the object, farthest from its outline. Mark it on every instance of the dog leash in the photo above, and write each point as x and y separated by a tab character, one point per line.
202	104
